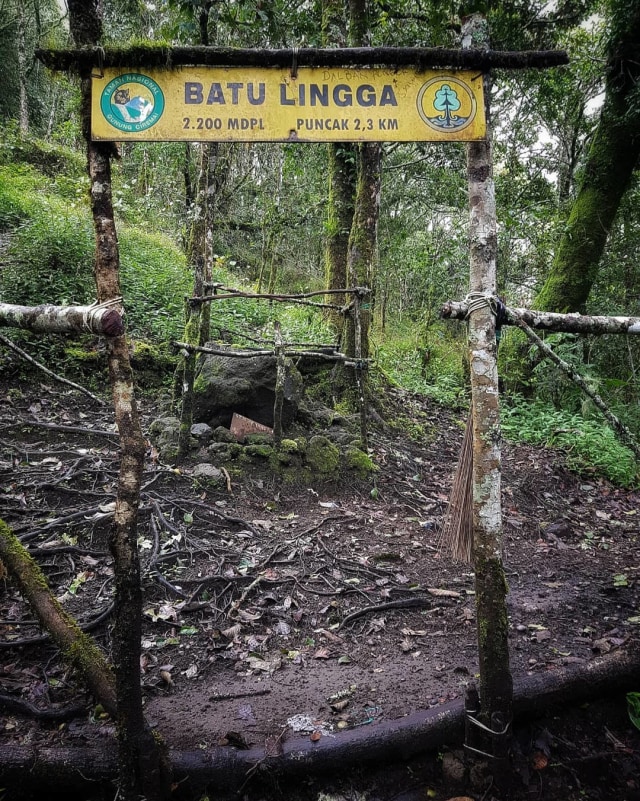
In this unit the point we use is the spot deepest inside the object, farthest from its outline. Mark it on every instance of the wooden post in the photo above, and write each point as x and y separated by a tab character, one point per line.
142	766
192	335
281	377
496	684
361	380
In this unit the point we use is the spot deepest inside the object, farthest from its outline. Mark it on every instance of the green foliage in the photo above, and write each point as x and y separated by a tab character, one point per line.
633	706
591	446
50	253
54	159
154	280
427	362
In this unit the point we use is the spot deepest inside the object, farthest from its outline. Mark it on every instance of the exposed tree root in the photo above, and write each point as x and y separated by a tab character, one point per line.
225	769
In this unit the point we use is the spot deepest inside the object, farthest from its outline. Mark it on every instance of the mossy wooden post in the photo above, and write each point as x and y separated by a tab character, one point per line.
341	169
360	366
281	377
142	768
190	357
496	684
78	649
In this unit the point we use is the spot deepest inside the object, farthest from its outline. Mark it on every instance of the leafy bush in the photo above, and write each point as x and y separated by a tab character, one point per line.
591	446
154	280
430	363
18	195
50	258
50	255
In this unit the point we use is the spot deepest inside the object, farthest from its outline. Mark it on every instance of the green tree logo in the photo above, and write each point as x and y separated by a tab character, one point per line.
447	104
446	100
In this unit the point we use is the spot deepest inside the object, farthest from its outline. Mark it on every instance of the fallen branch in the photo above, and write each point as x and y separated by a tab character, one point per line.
78	649
401	603
23	355
25	709
95	432
103	319
618	426
551	321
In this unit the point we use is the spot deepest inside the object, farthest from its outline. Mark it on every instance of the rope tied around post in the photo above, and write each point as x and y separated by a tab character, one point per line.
96	309
479	300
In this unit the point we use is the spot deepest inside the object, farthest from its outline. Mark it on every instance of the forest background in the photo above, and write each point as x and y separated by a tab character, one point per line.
566	145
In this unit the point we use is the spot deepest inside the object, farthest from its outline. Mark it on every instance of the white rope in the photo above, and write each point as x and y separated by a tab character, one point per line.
478	300
98	307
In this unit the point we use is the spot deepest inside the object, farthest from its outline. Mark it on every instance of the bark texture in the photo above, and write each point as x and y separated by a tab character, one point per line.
47	319
496	684
342	176
142	768
610	163
78	648
551	321
420	58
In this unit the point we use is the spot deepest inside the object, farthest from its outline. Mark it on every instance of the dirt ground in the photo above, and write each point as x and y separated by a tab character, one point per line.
274	609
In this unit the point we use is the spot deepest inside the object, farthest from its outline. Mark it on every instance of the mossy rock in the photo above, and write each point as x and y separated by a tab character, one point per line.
225	451
359	462
222	434
322	456
259	451
289	446
160	425
259	439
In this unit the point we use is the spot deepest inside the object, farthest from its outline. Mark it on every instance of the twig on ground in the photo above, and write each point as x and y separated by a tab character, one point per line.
93	432
23	355
401	603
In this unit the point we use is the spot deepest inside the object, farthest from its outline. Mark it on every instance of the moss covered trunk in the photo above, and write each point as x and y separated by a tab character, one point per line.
496	686
78	648
141	764
610	163
341	163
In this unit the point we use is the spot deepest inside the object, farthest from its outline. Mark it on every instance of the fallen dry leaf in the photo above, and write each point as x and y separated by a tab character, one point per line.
539	760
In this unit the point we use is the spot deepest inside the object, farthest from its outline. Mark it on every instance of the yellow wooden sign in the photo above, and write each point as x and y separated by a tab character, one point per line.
240	104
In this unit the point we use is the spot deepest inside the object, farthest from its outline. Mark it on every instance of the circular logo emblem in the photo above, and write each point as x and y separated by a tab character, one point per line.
446	104
132	102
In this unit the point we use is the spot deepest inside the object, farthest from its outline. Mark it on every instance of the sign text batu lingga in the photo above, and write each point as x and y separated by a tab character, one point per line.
274	105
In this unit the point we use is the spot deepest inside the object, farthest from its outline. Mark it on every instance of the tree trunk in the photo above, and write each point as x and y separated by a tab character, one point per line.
141	764
22	69
496	686
363	240
78	648
341	163
612	158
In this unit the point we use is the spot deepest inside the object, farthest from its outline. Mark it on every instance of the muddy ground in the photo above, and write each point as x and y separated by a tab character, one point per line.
272	608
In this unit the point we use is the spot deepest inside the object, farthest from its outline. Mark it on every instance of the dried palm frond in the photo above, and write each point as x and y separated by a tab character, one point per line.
456	538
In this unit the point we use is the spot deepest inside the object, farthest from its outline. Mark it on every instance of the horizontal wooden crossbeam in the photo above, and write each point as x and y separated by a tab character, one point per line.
105	319
551	321
421	58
